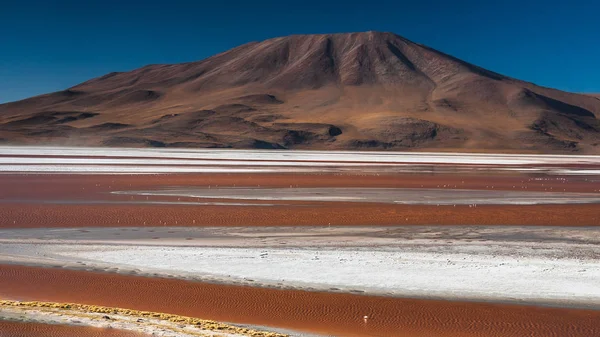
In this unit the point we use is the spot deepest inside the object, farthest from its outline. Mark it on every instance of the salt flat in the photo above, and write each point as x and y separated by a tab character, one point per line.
81	160
557	266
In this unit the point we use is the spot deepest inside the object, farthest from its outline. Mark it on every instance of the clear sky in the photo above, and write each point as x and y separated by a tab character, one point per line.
51	45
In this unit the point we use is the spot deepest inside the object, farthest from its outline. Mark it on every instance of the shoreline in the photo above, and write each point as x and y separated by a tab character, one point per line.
518	265
146	322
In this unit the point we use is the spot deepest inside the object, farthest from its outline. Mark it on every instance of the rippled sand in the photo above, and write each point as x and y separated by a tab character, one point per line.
19	329
325	313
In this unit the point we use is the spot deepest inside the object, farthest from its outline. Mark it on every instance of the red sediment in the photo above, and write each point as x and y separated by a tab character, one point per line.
90	186
335	214
22	206
20	329
324	313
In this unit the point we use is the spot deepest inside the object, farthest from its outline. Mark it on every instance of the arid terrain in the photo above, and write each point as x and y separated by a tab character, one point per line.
362	91
298	243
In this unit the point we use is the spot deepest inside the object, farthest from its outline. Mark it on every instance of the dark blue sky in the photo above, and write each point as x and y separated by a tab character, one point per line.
51	45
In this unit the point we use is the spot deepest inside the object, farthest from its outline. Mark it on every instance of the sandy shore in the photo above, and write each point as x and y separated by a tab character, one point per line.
324	313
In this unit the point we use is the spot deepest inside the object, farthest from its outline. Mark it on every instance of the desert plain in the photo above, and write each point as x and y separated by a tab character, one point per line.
299	243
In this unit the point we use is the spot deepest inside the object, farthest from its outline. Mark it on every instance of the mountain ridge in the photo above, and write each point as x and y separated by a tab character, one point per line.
380	90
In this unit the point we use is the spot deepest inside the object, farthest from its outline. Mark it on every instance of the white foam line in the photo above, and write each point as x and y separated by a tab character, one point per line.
579	172
144	169
323	156
167	161
406	196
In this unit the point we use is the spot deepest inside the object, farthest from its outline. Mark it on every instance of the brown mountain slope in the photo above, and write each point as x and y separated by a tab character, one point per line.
339	91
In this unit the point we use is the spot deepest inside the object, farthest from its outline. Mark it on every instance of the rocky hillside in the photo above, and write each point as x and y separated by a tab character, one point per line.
339	91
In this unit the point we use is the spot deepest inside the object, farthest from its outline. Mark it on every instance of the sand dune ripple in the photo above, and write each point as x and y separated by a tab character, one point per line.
325	313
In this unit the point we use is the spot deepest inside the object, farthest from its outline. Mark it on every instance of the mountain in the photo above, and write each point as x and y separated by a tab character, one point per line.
366	90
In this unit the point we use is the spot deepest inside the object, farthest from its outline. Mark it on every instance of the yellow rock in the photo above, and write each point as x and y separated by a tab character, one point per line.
204	324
